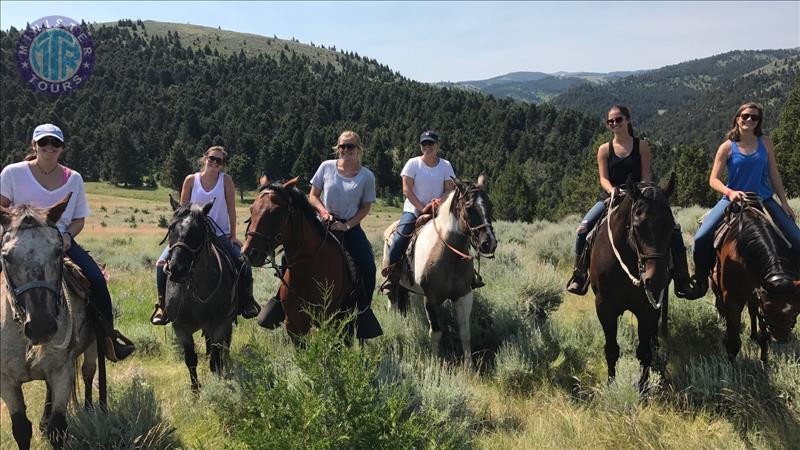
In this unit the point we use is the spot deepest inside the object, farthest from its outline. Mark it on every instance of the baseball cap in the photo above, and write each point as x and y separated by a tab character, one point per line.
428	136
47	129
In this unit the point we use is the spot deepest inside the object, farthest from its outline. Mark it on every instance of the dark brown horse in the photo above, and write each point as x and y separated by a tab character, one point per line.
629	268
755	268
316	278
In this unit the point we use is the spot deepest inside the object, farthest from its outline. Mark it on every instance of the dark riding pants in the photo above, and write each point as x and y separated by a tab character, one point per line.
98	293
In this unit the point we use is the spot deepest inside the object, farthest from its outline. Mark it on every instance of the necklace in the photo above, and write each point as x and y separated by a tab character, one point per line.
45	172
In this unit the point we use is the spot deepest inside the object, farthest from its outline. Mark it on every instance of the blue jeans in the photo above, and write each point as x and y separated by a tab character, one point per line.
361	250
703	252
401	236
245	277
588	222
98	292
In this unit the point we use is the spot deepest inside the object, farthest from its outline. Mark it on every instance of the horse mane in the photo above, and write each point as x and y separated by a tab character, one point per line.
760	246
28	215
297	199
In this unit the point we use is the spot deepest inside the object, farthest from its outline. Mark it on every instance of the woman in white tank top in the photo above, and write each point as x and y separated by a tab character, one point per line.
212	184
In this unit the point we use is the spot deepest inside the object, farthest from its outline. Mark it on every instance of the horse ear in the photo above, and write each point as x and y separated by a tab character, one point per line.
207	207
263	180
173	203
670	187
5	217
481	184
55	211
631	189
291	183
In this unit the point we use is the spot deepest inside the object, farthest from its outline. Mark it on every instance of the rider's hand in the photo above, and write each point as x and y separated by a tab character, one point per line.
326	217
734	195
338	226
235	241
435	203
788	210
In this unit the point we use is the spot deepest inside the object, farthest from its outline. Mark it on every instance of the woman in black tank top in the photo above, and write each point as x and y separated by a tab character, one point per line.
623	156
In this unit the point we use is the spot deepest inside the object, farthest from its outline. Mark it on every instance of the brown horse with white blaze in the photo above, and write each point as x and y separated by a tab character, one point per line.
755	268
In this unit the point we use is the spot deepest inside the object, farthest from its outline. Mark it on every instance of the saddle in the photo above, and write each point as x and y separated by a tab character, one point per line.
733	215
350	263
74	280
590	236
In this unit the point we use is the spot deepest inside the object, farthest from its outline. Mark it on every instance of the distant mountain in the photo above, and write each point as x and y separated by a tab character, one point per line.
695	100
535	87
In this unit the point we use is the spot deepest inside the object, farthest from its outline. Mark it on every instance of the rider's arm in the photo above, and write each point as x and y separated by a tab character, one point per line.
449	185
186	190
775	177
362	212
230	201
408	191
316	202
715	180
602	168
646	154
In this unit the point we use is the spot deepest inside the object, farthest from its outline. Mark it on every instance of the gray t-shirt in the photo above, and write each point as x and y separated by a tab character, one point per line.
343	196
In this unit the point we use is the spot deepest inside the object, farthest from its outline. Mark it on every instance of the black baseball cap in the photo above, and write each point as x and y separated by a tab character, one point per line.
428	136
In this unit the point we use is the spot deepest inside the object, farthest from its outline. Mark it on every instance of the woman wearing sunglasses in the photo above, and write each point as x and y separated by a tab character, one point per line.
212	184
342	192
749	158
40	181
624	156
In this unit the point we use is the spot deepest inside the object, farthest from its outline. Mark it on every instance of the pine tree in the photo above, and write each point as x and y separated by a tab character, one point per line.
176	167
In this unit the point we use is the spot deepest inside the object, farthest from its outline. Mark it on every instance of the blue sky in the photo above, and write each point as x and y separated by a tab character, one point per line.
435	41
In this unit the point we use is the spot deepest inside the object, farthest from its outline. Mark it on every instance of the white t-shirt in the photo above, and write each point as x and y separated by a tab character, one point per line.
428	181
219	211
342	196
18	184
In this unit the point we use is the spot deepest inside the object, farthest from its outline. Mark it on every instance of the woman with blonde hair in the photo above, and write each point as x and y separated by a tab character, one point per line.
212	184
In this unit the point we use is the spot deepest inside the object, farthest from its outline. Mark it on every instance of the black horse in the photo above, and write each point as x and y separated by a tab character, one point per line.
629	268
201	286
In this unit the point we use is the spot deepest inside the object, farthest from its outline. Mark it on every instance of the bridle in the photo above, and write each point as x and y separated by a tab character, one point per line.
472	232
633	243
55	287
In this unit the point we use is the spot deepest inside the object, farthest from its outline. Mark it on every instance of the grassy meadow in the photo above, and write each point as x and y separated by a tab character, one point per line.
540	382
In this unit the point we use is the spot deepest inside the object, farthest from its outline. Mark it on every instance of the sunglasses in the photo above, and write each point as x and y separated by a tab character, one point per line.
47	140
347	147
753	117
216	160
615	120
427	143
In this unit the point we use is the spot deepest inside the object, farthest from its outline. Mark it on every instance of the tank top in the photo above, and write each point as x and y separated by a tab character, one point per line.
750	173
620	168
219	212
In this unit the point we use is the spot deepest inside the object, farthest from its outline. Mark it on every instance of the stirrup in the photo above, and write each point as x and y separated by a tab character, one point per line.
118	347
577	288
159	319
251	309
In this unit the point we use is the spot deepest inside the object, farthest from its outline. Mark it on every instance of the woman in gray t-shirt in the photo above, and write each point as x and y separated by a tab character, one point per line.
342	192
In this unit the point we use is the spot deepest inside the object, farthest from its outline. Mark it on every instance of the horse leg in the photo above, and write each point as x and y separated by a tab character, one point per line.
733	343
763	339
435	330
21	427
608	320
60	383
648	330
88	369
463	308
752	310
189	355
48	409
402	299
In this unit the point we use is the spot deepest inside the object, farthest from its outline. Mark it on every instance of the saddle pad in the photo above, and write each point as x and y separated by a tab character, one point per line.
74	280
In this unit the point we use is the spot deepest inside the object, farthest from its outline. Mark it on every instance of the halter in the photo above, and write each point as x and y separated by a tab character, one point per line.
633	242
464	224
54	287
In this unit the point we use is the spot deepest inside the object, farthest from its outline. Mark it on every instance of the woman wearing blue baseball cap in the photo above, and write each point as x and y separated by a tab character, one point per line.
40	181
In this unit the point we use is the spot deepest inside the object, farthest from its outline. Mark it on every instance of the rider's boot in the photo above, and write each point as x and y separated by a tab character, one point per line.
115	346
477	281
389	285
579	282
271	315
248	307
159	316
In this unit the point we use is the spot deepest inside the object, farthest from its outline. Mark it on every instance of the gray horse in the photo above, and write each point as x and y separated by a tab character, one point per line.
201	287
44	326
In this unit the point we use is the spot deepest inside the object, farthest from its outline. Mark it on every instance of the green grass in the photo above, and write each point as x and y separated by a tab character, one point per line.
541	381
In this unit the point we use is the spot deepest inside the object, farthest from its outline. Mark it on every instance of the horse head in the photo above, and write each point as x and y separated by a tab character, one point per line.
651	224
188	235
269	225
476	214
32	259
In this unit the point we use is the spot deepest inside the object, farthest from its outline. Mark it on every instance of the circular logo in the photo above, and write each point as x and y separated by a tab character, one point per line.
55	55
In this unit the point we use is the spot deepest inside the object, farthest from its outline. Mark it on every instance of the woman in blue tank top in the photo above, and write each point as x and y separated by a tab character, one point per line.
622	157
749	158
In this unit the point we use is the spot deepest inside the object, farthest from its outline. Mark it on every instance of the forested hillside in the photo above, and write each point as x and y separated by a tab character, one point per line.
162	93
693	102
155	101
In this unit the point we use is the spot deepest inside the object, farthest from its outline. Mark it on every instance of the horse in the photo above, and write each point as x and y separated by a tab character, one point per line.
317	281
441	266
43	322
201	287
755	268
634	234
